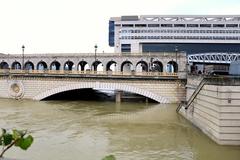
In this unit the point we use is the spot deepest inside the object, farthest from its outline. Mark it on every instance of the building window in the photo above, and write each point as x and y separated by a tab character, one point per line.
125	48
192	25
140	25
166	25
232	38
232	25
179	25
153	25
205	25
218	38
127	25
218	25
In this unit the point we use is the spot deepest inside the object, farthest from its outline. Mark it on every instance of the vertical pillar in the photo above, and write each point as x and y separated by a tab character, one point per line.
118	96
146	100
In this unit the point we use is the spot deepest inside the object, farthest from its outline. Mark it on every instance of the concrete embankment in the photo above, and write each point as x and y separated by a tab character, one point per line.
216	108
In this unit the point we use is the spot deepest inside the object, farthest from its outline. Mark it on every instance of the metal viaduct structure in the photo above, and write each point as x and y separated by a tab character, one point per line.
215	58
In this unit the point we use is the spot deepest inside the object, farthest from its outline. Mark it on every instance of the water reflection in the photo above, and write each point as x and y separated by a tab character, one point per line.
89	130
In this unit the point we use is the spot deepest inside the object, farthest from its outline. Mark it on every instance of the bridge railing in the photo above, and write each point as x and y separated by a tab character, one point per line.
77	55
97	73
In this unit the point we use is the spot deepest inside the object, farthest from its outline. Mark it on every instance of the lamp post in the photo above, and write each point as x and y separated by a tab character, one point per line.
23	47
176	52
95	57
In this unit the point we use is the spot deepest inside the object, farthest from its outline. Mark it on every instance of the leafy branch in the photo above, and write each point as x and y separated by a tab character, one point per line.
16	138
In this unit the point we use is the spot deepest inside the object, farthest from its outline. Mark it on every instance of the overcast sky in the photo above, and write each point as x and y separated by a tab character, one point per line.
75	26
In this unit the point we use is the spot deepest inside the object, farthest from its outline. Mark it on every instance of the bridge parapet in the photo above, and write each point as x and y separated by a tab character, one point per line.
106	74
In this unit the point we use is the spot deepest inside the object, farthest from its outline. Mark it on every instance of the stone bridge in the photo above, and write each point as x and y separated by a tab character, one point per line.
159	76
41	86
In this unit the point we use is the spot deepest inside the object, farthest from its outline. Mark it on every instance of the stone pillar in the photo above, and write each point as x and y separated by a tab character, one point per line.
118	96
146	100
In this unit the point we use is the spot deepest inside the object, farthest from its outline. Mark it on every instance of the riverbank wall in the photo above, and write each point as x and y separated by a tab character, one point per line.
216	108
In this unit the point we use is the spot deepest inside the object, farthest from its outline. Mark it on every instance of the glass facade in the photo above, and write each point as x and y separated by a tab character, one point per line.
190	48
193	34
111	33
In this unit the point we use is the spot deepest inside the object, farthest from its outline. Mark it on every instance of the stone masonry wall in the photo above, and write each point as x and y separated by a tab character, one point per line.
216	111
164	91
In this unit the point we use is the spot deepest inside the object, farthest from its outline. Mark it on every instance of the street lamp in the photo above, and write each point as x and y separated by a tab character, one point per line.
176	52
23	47
95	57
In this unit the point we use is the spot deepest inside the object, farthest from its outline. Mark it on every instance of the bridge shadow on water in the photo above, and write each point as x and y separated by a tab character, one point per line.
90	94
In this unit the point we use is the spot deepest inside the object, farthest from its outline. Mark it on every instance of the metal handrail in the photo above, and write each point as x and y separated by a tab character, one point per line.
195	93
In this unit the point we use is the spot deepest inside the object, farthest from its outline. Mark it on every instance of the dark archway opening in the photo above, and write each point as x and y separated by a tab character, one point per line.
82	66
4	65
142	66
127	66
80	94
111	66
157	66
42	65
69	66
97	95
97	66
16	65
172	67
29	66
55	65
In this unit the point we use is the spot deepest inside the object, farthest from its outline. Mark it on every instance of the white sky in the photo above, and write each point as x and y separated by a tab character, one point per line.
75	26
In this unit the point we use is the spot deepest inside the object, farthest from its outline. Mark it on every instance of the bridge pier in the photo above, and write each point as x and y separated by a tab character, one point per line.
118	96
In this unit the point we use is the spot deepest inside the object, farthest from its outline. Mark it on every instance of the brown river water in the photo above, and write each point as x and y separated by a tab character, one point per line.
82	130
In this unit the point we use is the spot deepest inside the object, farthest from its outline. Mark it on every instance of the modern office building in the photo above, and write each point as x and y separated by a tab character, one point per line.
192	34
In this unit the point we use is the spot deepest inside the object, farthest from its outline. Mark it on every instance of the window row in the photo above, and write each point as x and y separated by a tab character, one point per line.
183	37
181	25
178	31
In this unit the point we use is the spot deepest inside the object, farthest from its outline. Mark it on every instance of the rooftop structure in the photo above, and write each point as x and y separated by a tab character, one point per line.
168	33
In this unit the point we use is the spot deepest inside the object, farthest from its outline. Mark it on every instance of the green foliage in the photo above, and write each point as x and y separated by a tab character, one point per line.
7	139
110	157
16	138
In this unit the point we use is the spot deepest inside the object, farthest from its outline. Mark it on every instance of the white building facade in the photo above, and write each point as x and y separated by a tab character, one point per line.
191	34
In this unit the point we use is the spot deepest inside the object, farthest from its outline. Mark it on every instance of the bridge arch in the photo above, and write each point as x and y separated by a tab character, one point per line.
55	65
29	65
42	65
111	66
141	66
16	65
157	66
69	66
97	66
172	67
127	66
4	65
107	86
83	66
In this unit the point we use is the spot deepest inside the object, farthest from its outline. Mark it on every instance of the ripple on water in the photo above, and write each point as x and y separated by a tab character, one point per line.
90	130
